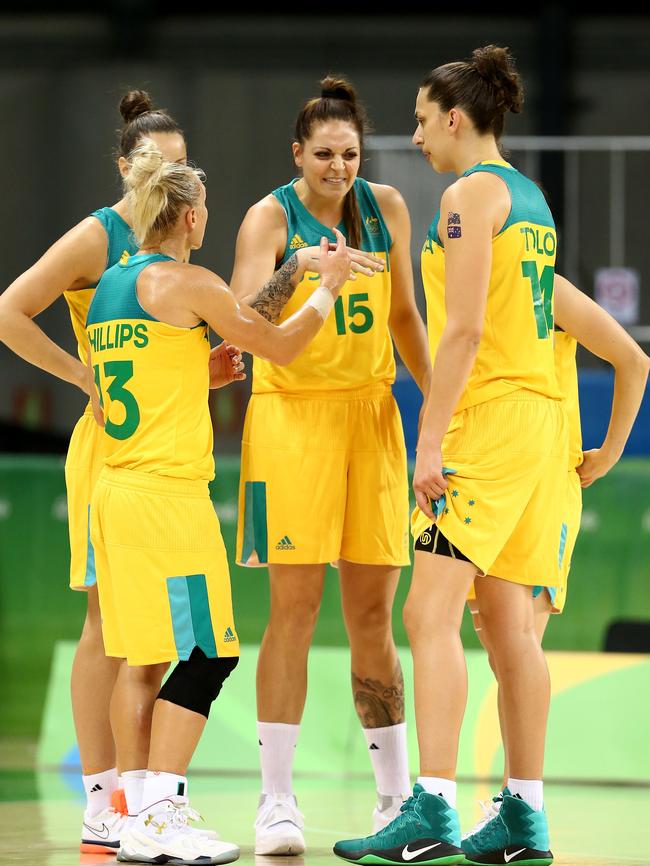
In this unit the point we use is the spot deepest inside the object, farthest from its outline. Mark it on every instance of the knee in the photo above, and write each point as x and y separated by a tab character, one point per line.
145	676
196	683
370	621
295	618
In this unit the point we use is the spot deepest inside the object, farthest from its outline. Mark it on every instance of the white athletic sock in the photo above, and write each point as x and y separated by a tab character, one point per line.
530	790
133	784
389	756
435	785
98	788
158	786
277	749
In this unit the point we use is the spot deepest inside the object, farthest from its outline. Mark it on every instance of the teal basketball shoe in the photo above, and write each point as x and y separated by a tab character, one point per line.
426	831
517	835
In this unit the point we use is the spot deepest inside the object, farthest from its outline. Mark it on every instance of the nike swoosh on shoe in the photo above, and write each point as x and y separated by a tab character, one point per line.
411	855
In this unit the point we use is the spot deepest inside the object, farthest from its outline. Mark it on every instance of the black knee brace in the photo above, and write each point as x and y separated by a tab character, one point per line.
195	684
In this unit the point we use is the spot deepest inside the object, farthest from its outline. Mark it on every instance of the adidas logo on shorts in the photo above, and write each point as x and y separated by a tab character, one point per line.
229	636
285	544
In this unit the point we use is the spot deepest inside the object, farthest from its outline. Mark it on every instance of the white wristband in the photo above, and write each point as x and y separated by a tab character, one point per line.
322	301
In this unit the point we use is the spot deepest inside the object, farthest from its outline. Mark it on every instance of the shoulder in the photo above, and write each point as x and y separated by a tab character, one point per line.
389	199
265	221
481	196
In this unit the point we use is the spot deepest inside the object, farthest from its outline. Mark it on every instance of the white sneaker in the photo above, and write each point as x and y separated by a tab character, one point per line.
386	810
161	835
101	833
491	809
279	825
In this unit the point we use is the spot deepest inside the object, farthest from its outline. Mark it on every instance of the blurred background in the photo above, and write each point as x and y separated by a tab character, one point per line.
235	83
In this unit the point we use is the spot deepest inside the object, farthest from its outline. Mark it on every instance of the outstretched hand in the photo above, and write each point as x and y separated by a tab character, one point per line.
226	365
361	262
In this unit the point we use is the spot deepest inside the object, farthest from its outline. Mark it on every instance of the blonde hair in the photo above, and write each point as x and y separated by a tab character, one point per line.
158	190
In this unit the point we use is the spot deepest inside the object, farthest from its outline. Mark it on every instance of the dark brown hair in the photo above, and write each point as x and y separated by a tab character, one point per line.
486	87
338	101
141	119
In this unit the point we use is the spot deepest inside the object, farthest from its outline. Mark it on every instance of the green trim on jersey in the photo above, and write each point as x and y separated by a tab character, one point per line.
528	204
304	230
120	235
116	296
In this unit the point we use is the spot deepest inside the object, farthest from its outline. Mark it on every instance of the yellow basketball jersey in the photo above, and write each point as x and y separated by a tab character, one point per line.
353	348
567	379
516	348
120	240
153	380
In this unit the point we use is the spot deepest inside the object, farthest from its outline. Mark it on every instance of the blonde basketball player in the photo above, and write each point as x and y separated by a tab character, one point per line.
161	564
323	460
72	268
491	466
581	321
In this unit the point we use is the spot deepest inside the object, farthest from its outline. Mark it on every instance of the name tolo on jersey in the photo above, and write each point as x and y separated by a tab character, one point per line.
114	335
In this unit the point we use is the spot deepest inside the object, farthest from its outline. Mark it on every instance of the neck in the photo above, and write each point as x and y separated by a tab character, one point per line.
474	151
122	209
174	247
326	210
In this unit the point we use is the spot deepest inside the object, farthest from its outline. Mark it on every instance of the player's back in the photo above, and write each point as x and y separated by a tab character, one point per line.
153	379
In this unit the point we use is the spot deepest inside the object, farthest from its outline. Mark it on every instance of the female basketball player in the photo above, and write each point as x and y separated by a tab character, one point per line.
582	321
161	563
72	268
491	466
323	475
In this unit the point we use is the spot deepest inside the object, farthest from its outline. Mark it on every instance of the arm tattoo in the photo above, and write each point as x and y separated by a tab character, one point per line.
274	294
379	705
453	225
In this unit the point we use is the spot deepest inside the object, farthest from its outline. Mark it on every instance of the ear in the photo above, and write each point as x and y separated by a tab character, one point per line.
296	147
123	166
190	218
453	120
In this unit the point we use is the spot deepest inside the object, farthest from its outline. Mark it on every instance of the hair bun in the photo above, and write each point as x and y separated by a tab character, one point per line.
495	65
134	103
337	88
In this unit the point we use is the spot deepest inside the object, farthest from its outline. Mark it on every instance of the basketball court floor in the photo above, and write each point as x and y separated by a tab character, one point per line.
41	818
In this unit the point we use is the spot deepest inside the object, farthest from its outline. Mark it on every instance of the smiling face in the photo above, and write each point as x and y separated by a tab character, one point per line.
434	131
329	158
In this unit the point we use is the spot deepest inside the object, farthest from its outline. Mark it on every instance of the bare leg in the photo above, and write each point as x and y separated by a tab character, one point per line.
296	592
367	595
131	712
432	616
508	627
175	733
91	686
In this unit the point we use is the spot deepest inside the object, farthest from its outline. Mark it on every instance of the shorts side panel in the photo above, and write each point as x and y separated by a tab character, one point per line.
83	464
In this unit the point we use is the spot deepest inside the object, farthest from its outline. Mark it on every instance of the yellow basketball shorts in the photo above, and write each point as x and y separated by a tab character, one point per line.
82	467
323	478
162	572
504	503
571	528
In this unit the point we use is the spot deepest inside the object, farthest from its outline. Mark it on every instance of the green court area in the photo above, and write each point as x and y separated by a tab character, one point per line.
608	581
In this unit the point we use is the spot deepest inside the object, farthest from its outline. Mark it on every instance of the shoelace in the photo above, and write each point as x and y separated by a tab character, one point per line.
287	812
180	815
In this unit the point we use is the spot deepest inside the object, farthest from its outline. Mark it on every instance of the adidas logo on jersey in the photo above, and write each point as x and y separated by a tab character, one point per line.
285	544
297	243
372	224
125	257
229	635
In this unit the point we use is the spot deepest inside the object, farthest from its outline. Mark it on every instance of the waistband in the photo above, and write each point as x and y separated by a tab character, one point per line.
368	392
131	480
